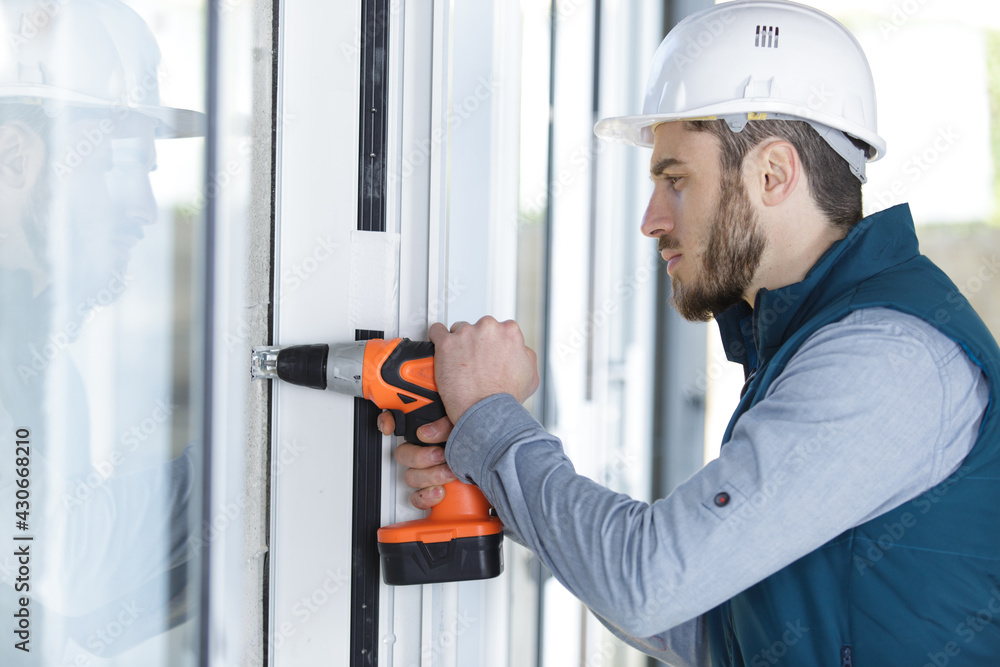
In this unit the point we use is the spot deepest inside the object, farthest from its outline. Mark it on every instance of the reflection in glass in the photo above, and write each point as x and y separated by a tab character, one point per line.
98	507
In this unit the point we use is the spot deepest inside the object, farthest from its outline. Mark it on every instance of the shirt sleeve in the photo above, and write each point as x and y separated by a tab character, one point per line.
870	412
683	646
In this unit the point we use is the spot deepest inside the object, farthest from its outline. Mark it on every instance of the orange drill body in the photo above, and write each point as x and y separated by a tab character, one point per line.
460	540
398	376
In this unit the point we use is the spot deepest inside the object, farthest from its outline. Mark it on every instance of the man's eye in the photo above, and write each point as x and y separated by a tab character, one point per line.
673	180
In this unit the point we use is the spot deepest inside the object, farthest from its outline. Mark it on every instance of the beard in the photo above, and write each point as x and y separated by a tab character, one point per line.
730	261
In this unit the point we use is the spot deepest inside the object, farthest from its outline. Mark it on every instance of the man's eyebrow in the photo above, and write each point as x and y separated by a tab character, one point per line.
662	165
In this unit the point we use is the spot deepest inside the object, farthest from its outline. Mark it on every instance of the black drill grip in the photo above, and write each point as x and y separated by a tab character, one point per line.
408	421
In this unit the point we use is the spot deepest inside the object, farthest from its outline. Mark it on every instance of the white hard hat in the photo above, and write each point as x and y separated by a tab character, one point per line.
760	59
96	54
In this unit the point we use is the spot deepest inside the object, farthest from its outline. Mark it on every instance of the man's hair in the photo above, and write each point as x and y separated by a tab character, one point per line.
37	211
835	189
32	115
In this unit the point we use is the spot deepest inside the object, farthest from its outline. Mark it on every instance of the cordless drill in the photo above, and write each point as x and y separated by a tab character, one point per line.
460	540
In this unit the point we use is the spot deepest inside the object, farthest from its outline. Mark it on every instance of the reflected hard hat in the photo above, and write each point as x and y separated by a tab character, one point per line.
755	60
90	54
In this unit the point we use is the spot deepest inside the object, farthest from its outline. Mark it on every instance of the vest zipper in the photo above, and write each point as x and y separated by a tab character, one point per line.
846	657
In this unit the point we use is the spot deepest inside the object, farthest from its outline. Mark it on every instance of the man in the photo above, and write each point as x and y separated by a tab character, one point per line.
79	112
851	516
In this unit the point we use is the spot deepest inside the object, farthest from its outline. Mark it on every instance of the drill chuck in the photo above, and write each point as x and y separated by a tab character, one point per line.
336	367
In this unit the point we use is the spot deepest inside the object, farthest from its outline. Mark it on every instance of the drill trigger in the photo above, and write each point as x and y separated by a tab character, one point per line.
400	418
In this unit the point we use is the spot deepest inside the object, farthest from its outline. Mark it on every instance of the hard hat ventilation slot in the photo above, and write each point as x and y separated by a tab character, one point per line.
767	36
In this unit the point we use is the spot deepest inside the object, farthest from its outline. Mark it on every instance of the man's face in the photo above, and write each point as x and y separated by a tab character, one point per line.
705	225
101	201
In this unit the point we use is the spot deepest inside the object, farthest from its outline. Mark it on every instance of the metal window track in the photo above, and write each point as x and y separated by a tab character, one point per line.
367	439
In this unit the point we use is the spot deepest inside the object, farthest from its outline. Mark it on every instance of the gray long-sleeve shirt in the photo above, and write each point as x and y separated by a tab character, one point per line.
869	413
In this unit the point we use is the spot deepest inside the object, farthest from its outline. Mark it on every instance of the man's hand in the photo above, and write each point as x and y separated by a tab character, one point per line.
427	470
471	362
475	361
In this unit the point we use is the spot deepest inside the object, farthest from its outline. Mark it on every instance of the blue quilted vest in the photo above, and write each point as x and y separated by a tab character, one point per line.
918	586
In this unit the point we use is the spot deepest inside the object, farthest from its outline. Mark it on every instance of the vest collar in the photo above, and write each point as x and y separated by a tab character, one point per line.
750	336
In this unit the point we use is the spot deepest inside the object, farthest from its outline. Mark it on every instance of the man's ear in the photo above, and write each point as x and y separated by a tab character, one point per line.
20	154
780	171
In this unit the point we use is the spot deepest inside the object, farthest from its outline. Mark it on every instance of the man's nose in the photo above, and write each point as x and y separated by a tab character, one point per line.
143	207
658	218
136	199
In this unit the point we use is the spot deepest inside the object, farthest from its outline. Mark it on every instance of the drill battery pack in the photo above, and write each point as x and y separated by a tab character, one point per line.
460	559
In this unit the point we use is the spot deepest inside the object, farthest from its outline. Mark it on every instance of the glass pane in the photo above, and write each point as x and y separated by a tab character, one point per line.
533	199
101	162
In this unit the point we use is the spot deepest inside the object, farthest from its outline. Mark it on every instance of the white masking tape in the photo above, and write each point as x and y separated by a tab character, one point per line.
374	288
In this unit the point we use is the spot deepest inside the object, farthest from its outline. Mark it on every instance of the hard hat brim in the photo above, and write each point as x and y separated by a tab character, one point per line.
171	122
637	130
